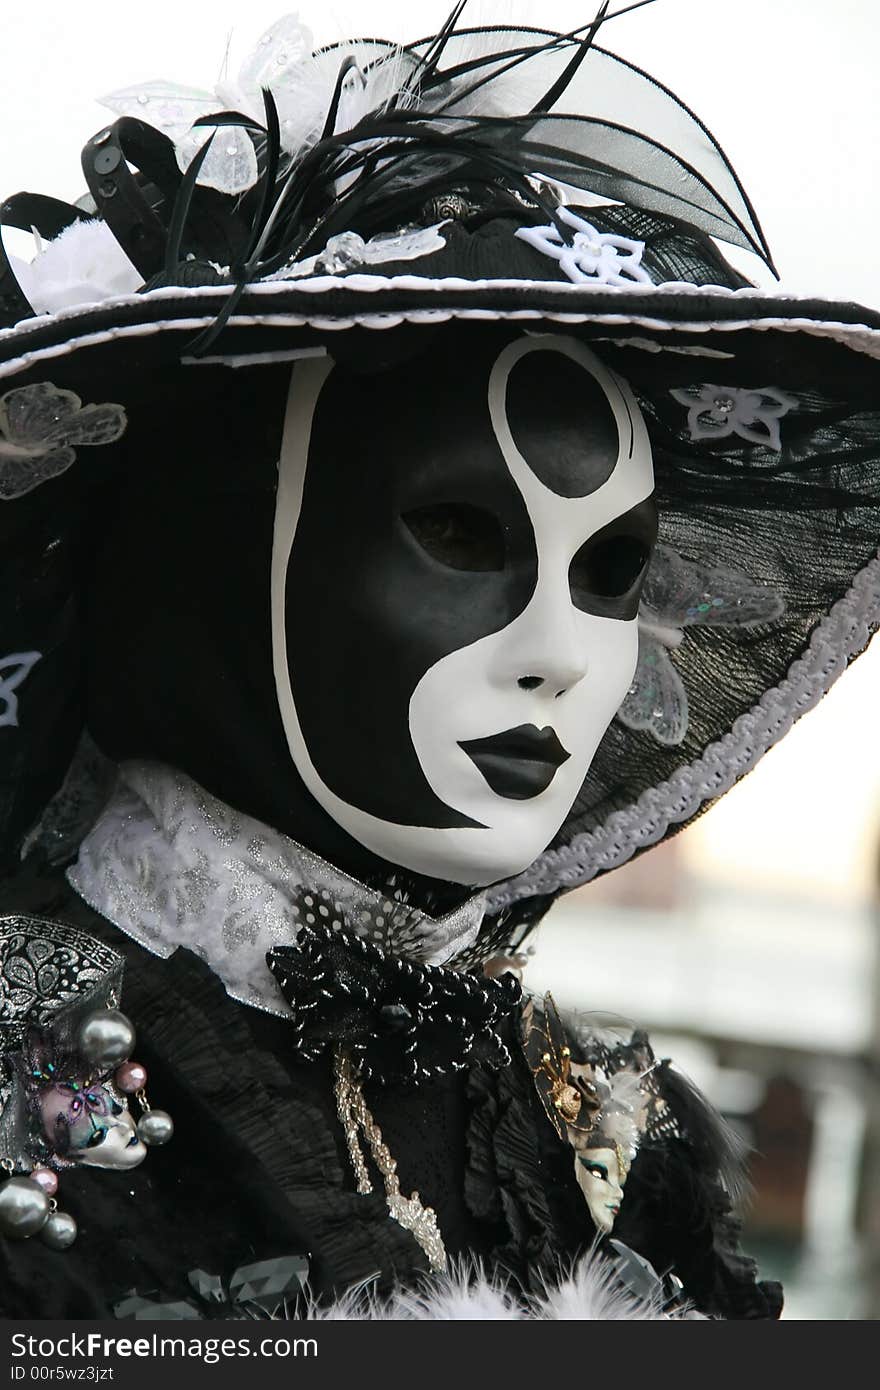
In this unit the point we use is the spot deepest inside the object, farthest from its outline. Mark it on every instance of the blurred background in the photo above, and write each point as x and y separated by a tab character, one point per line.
748	945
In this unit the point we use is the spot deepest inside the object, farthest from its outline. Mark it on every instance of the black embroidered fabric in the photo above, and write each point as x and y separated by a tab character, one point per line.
258	1168
255	1169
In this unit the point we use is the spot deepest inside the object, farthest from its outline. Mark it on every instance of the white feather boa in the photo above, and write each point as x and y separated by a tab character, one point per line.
589	1293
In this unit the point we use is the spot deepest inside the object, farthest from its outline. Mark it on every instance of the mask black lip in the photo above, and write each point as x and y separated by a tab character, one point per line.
518	763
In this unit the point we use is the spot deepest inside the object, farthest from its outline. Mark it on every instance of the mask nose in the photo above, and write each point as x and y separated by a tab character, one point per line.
550	654
535	682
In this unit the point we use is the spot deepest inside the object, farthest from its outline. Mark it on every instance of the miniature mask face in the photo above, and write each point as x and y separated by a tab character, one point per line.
88	1125
601	1181
458	554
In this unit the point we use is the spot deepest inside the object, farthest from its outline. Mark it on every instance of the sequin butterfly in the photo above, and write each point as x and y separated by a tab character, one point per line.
680	594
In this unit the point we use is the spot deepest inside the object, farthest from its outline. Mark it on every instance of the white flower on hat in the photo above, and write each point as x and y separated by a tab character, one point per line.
302	84
600	258
231	163
714	412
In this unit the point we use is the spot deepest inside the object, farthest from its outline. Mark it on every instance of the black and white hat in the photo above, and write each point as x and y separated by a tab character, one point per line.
368	201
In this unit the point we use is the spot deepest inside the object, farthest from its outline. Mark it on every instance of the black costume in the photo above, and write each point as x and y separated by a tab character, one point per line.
390	446
257	1171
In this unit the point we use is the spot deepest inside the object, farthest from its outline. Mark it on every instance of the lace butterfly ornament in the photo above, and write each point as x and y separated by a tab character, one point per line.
680	594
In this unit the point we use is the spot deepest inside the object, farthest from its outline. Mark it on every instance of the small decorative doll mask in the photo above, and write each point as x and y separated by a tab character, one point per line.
86	1124
601	1174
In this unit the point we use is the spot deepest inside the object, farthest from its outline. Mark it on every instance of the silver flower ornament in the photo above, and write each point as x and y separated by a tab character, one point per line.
681	594
600	258
716	412
39	425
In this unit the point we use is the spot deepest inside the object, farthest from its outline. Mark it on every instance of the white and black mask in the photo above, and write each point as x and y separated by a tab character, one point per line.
455	581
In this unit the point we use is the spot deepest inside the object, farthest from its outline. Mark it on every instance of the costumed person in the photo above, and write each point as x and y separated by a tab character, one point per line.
407	515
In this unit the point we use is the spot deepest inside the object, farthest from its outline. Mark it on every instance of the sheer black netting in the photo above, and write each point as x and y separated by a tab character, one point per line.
562	105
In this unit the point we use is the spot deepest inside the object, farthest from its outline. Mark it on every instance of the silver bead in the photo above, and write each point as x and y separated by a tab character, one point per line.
155	1128
106	1038
24	1208
59	1231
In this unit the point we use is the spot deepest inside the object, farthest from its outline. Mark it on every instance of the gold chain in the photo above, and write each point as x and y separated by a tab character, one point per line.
354	1116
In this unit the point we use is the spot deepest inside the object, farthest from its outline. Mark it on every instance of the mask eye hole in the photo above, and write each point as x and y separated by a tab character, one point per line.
608	567
458	535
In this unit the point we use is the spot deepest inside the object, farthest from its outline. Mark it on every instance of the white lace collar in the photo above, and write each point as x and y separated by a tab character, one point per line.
171	866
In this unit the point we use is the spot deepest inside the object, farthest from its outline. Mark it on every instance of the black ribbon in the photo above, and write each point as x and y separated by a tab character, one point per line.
402	1021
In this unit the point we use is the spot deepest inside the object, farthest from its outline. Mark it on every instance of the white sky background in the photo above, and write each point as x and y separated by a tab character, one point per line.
790	90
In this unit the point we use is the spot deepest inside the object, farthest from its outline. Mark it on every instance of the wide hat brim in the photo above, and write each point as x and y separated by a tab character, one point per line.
785	498
283	316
